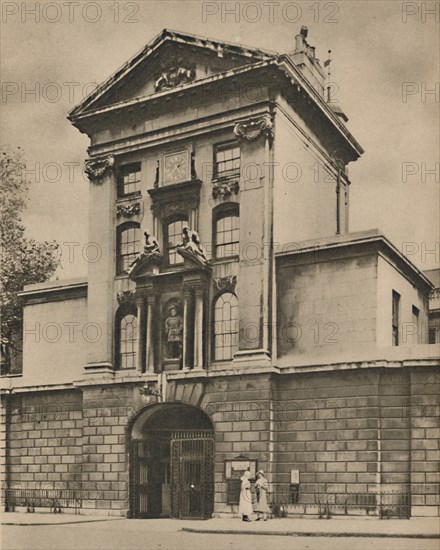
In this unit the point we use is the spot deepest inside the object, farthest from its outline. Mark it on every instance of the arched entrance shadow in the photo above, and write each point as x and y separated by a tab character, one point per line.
171	449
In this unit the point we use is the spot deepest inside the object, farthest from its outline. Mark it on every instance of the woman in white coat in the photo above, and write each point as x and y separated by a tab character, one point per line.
245	505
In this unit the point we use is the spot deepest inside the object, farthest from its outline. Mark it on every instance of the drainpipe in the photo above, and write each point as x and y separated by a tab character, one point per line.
338	201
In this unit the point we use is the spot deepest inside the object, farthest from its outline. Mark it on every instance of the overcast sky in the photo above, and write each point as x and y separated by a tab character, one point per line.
385	60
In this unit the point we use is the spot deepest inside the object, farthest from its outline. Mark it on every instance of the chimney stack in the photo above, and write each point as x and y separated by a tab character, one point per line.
304	58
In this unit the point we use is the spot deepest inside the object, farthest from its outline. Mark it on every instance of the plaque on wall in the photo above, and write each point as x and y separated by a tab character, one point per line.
235	467
176	167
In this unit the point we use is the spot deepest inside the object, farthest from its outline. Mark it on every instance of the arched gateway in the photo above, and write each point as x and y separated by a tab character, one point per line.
171	462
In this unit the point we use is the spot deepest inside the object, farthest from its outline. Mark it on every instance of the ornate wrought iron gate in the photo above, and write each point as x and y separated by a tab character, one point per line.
192	474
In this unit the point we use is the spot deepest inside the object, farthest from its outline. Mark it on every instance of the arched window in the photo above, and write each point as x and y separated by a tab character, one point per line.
225	326
128	245
226	231
126	337
173	237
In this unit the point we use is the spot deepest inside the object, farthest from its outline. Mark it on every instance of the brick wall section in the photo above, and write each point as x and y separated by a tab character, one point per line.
45	442
395	438
239	409
424	414
105	459
327	428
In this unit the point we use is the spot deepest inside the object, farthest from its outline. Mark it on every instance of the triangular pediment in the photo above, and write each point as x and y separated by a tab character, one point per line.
172	59
146	264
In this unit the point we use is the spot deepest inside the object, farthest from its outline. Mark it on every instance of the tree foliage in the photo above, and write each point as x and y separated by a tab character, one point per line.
23	260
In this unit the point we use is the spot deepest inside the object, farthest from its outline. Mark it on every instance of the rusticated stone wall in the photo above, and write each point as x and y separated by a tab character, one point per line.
347	432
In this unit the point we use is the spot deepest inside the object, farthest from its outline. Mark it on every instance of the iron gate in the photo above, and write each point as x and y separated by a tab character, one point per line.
191	455
192	474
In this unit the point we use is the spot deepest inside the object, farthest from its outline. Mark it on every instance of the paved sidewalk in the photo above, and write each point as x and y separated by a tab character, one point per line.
337	527
46	518
418	528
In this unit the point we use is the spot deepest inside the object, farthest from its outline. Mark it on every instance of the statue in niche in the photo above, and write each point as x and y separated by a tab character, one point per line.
192	246
174	333
151	244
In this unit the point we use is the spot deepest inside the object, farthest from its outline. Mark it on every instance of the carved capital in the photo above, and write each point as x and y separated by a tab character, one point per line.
253	128
125	297
128	210
96	168
226	284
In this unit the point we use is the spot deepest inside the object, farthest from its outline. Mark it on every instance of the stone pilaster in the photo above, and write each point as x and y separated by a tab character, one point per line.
101	269
149	348
187	332
141	311
199	293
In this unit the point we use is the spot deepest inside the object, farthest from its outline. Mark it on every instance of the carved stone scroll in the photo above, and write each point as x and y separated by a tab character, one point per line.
253	128
96	168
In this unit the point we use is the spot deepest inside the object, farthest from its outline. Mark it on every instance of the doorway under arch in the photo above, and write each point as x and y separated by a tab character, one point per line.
171	462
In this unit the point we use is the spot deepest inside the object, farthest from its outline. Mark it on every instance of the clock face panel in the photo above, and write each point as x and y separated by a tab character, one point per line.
176	167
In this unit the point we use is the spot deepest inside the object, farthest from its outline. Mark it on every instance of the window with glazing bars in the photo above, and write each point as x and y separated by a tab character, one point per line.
127	341
128	245
129	179
227	233
225	326
226	161
173	232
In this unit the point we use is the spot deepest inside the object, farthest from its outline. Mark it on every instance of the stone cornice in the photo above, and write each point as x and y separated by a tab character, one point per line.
367	242
189	129
70	290
227	371
282	63
178	197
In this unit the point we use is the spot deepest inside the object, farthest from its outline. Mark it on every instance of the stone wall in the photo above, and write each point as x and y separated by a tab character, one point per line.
45	440
326	303
240	408
347	432
360	432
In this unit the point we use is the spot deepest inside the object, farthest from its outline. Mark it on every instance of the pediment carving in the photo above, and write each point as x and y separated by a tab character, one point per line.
175	74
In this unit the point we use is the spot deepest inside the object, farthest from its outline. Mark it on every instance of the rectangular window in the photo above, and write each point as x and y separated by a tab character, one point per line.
173	233
129	181
227	233
432	335
226	161
396	315
415	322
128	246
